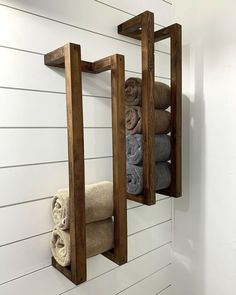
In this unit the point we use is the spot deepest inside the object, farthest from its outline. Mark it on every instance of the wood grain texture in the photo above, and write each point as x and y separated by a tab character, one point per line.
119	157
69	57
174	32
52	28
141	27
115	63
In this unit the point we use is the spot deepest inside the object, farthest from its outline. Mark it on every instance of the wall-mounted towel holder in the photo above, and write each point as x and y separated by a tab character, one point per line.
69	57
141	27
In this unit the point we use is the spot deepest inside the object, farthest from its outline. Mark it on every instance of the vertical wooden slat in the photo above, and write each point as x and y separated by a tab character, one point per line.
176	109
174	33
142	27
147	43
119	159
76	161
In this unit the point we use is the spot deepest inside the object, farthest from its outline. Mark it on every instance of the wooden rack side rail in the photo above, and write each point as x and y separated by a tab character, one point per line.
141	27
174	32
69	57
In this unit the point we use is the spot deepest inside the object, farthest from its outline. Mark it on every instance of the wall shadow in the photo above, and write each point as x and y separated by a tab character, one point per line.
189	234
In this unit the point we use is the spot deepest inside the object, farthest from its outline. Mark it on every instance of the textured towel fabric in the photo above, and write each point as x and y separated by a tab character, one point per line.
98	204
133	93
99	239
134	148
60	246
60	209
134	177
133	121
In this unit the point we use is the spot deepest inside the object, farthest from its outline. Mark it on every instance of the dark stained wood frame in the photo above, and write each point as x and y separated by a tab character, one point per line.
141	27
69	57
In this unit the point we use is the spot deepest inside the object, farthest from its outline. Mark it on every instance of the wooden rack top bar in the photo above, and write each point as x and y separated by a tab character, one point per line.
69	57
141	27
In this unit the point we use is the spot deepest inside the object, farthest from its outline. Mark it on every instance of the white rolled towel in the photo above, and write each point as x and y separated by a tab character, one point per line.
98	204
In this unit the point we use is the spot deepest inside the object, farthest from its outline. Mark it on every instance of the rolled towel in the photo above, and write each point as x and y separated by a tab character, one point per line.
133	93
134	177
60	246
98	204
99	239
134	148
133	120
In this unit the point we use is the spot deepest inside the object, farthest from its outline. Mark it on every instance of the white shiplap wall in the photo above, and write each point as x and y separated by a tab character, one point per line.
33	149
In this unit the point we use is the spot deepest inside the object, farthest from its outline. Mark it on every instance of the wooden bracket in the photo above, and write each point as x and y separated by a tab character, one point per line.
69	57
141	27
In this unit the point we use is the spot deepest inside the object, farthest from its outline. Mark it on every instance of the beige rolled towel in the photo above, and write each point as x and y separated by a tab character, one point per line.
60	209
99	239
60	246
133	93
133	120
98	204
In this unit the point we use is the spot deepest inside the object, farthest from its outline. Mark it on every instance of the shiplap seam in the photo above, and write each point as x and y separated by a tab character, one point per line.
77	27
167	2
53	127
33	90
34	164
141	230
25	202
119	266
47	232
163	290
122	10
27	238
62	161
37	53
146	277
50	197
25	275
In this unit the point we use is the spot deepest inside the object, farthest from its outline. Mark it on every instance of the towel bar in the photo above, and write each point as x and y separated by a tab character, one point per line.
69	57
141	27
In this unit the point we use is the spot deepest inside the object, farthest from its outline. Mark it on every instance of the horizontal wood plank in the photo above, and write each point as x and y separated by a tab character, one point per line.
74	20
161	9
21	108
40	181
27	146
142	217
152	285
58	34
122	277
33	218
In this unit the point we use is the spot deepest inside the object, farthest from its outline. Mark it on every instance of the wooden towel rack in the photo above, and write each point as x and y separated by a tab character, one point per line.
69	57
141	27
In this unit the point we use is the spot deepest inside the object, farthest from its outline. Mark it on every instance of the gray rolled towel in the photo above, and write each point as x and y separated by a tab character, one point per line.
134	177
133	93
134	148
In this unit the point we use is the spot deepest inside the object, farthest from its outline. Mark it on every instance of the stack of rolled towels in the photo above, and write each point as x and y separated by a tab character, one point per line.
99	222
134	137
